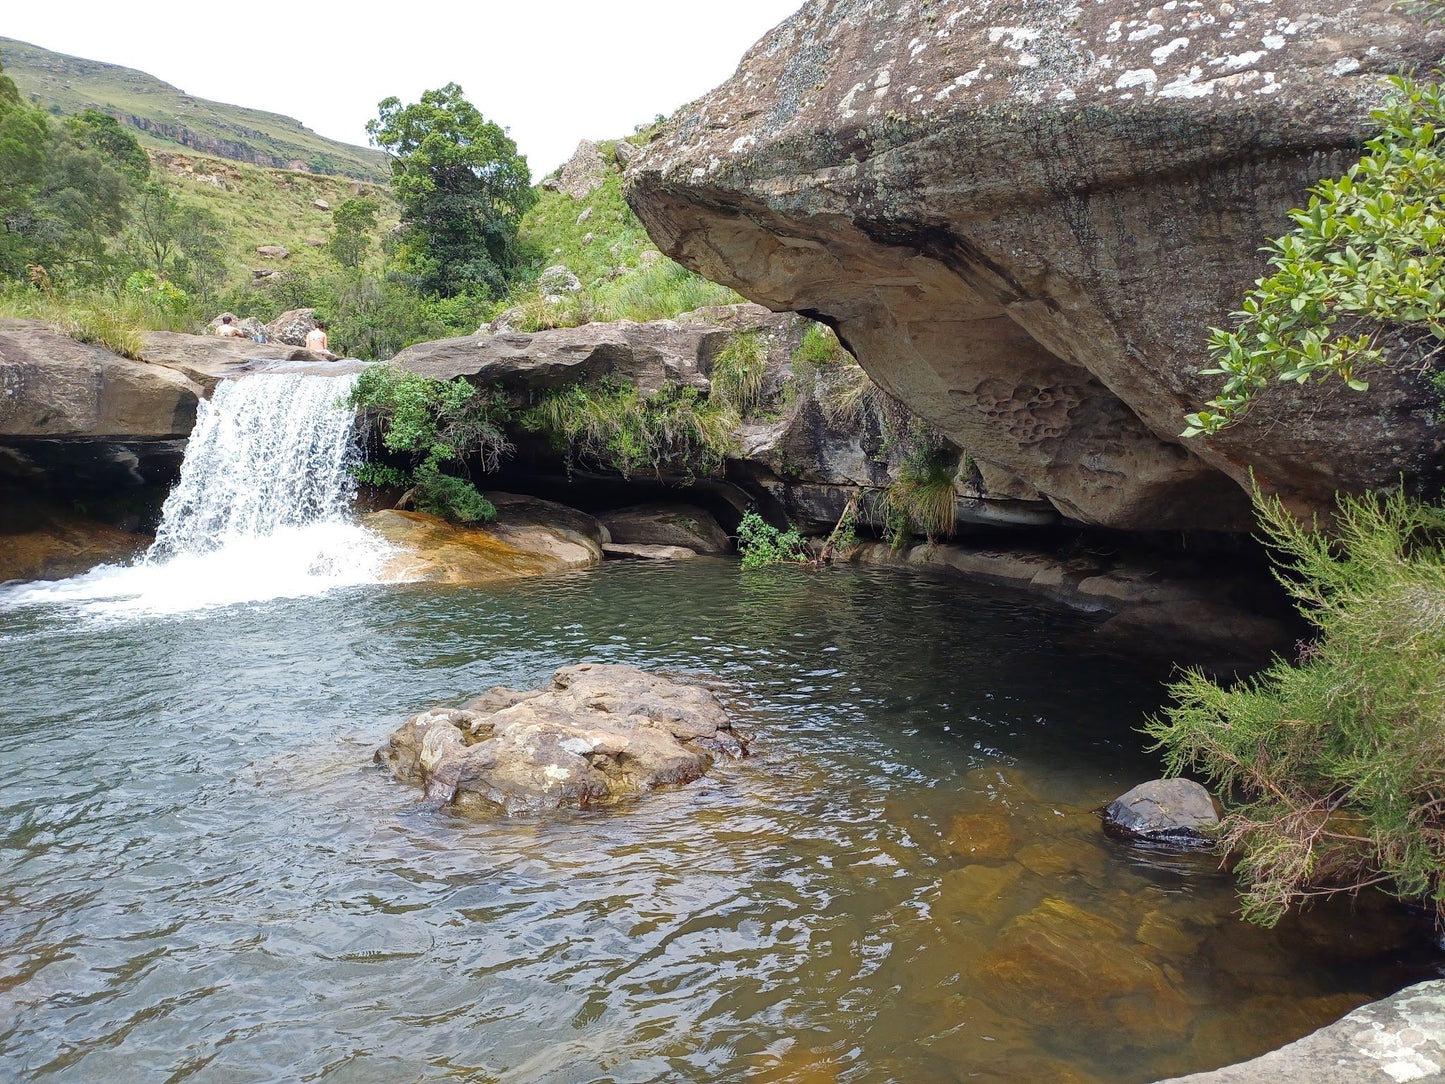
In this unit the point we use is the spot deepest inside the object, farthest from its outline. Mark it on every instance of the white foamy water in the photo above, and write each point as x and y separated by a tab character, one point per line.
262	509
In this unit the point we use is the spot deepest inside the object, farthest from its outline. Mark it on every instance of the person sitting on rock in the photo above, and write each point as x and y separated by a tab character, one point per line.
227	329
316	338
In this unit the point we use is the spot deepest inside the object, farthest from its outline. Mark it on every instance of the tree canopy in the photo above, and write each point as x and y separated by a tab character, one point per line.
462	187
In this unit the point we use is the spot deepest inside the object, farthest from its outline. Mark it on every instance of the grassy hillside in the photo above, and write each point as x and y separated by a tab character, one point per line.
270	207
166	118
600	240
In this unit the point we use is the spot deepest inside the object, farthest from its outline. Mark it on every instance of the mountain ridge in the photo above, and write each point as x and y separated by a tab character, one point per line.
166	118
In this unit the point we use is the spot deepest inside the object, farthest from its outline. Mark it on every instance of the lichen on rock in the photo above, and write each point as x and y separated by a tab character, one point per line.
599	734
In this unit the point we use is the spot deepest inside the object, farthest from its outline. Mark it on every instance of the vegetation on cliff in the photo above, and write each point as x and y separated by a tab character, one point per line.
1333	768
439	427
1358	280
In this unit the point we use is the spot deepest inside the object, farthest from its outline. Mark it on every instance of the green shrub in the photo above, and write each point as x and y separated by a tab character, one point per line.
1333	770
660	292
762	544
1365	262
117	324
616	426
450	497
738	371
436	424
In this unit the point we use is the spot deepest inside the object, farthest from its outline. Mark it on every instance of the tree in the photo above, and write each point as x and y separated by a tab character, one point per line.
101	131
180	242
63	190
462	186
350	223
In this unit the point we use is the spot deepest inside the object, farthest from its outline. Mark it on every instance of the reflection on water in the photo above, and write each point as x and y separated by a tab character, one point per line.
203	879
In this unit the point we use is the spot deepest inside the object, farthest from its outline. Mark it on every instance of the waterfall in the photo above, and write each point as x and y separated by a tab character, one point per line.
268	452
262	509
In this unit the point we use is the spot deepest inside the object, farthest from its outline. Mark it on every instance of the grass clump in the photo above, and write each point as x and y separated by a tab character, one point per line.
616	426
738	371
114	323
922	501
436	424
761	544
1333	769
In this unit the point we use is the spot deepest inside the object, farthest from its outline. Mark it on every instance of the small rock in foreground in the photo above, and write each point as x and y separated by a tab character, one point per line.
1177	811
600	733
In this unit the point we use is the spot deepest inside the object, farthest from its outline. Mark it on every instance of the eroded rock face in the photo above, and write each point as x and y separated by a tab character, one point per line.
1023	219
667	525
598	734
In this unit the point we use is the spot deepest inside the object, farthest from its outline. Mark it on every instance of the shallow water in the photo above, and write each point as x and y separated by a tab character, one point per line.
202	877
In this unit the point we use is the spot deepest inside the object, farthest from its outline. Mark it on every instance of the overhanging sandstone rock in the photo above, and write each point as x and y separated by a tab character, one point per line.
1023	220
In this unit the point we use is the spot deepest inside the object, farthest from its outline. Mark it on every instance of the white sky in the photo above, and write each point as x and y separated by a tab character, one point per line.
551	71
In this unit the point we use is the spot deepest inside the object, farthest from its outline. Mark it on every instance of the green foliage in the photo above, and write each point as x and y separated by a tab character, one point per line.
660	292
618	427
177	241
738	371
820	348
450	497
351	223
1365	261
922	501
150	289
462	187
94	316
436	424
92	128
63	192
1334	768
761	544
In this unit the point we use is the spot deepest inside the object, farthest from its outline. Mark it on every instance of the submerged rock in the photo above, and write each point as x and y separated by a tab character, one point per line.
640	552
600	733
1398	1039
1163	811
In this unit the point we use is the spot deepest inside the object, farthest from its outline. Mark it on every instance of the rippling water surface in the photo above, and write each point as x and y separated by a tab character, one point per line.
202	877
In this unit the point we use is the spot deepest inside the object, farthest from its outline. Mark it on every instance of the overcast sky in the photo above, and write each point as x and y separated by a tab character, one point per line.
552	71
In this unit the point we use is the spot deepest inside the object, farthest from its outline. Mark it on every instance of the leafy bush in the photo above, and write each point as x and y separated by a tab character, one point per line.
616	426
1365	261
1334	769
738	371
660	292
762	544
436	423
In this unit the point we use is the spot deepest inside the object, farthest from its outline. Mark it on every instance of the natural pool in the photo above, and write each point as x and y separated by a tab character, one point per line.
202	877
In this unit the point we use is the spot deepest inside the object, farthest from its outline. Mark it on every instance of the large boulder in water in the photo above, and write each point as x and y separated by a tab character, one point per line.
598	734
530	538
1023	219
1176	811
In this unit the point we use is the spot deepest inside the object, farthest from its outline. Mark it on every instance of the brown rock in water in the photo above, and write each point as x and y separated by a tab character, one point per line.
598	734
428	549
53	546
1023	219
982	836
1062	965
667	525
978	893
